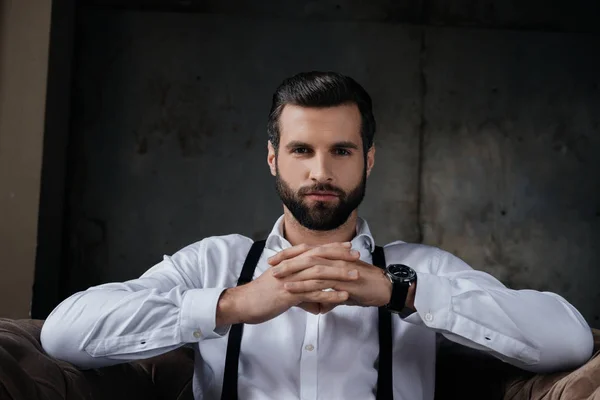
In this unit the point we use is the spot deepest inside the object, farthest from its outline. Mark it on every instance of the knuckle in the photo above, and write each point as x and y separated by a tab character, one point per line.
330	297
304	297
316	296
321	296
320	250
312	259
347	268
282	267
280	254
319	270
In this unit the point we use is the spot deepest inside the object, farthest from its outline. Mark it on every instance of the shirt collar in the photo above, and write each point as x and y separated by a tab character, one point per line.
363	239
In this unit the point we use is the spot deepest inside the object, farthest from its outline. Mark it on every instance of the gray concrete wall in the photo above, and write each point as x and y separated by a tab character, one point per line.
555	15
169	141
511	170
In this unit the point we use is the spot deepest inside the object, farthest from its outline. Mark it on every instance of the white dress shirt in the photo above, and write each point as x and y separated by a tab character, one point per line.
299	355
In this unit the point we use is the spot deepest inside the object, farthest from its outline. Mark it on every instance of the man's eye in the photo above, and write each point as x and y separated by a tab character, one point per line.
300	150
341	152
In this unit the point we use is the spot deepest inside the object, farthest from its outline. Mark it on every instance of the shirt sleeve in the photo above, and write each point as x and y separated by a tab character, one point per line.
537	331
165	308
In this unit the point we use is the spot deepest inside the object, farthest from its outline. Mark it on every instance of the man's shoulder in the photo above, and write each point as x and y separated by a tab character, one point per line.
400	245
214	252
233	239
227	243
411	254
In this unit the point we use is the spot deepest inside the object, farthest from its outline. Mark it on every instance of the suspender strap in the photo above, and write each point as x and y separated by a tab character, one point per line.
230	379
385	388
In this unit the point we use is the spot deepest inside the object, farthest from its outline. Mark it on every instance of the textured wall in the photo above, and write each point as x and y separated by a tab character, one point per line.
169	140
511	173
555	15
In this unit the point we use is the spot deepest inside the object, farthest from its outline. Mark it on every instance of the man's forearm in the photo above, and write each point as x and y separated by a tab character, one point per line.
537	331
89	328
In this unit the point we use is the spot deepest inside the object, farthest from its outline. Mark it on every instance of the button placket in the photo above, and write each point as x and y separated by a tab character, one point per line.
308	359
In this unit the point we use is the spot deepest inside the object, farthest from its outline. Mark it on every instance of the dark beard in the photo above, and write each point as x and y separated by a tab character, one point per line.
322	216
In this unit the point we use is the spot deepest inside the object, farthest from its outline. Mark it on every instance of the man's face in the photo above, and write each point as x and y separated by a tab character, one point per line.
320	169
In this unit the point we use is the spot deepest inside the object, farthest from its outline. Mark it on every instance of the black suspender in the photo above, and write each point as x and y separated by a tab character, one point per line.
384	378
230	379
385	388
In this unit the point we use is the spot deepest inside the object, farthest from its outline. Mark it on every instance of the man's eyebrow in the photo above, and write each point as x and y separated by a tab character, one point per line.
346	145
296	143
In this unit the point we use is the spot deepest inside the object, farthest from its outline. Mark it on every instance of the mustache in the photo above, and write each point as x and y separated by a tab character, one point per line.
320	187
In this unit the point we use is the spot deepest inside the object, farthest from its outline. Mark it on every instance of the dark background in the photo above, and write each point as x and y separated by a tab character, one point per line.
487	145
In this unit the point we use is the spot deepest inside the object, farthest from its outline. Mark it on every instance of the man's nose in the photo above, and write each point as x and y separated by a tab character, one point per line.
321	169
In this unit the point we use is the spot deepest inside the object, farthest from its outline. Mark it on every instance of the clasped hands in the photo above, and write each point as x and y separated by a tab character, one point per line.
309	270
299	277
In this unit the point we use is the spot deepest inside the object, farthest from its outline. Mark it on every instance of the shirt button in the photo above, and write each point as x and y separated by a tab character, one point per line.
309	347
197	334
428	317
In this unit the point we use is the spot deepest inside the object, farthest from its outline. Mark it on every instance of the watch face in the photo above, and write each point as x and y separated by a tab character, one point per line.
401	272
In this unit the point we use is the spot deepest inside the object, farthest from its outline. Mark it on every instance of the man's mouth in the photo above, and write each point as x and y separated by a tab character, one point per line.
322	196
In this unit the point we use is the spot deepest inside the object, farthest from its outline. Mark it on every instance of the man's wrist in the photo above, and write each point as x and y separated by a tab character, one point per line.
387	289
227	308
410	295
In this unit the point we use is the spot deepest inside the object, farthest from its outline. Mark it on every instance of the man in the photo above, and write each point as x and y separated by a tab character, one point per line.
315	308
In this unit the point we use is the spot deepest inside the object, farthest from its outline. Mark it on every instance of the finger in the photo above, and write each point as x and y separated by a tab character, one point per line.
311	286
290	252
319	296
321	255
335	253
328	272
300	263
299	249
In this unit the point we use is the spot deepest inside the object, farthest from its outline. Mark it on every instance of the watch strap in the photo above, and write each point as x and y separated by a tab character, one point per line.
398	299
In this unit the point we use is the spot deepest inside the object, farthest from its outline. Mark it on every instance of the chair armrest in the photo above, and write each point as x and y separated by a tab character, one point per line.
28	373
582	383
467	374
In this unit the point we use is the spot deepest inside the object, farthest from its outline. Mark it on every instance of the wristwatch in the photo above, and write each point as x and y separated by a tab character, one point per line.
402	277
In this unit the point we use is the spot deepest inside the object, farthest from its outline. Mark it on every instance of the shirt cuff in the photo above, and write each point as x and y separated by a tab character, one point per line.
433	302
198	315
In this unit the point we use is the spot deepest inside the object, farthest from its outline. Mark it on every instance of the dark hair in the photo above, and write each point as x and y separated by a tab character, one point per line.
320	90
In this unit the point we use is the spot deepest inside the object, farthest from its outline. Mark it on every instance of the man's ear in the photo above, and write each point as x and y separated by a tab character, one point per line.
370	159
271	158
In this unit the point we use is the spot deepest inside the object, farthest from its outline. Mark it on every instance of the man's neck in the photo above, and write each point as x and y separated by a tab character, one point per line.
298	234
